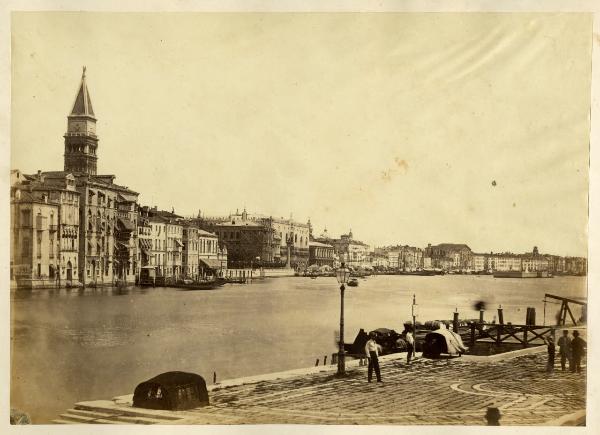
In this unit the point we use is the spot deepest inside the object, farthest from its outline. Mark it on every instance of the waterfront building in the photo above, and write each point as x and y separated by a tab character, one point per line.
158	245
107	215
576	265
144	229
254	239
556	264
379	259
167	239
410	258
212	260
402	257
450	256
189	260
353	252
293	238
321	254
506	261
534	262
480	262
44	242
108	248
249	243
393	258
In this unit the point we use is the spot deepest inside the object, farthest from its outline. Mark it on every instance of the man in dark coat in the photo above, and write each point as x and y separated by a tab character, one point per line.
577	350
564	343
551	353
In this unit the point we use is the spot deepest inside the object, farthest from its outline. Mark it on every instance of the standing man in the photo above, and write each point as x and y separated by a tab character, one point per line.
410	341
551	353
564	343
372	352
578	350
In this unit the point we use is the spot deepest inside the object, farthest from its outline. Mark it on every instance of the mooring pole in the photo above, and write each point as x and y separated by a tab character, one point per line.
455	321
414	316
500	315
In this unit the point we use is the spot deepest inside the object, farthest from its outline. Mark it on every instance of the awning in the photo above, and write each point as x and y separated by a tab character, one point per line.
126	197
212	263
126	224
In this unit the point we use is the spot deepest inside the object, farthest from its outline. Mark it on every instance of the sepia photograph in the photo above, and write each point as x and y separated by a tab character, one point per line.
300	218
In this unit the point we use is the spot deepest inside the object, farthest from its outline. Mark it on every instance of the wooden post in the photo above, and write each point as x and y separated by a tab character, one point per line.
472	334
480	316
317	362
499	333
214	377
525	335
500	315
325	360
455	322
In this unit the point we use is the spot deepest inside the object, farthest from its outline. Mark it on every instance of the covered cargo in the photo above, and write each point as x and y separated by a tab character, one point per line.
443	341
172	391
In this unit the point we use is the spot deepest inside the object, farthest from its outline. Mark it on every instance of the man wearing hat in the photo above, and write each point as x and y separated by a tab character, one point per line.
372	352
578	345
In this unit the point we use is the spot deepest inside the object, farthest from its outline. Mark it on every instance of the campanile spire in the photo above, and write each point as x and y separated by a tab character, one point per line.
81	142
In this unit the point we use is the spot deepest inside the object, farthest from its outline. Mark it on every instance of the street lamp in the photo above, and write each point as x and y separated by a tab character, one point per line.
342	275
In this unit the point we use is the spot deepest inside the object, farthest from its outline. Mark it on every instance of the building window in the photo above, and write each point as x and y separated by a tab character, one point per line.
25	218
25	248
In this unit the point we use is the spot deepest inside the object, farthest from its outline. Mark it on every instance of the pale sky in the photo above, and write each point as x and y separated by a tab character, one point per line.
394	125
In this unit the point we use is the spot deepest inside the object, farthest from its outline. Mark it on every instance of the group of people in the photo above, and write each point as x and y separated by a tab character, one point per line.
570	349
372	350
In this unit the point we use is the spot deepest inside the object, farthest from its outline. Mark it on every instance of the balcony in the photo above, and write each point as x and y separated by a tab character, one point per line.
41	223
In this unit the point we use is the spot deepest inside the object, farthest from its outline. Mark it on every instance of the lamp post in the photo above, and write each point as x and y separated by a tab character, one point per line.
342	277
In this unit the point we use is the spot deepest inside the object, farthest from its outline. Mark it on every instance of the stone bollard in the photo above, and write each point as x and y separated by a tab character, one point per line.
493	416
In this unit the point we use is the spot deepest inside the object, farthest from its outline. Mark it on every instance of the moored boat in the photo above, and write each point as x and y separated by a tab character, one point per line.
353	282
201	285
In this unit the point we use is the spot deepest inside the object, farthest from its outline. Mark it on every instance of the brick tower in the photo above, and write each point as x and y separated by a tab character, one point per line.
81	142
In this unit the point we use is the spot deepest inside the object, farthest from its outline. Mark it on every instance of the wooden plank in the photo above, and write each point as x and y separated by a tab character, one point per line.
571	314
560	298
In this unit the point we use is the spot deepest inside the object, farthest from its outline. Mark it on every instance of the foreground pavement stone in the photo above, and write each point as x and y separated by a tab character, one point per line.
429	392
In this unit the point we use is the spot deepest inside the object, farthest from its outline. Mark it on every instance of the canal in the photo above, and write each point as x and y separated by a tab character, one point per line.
74	345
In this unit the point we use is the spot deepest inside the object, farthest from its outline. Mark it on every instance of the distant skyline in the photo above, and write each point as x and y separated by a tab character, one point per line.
407	128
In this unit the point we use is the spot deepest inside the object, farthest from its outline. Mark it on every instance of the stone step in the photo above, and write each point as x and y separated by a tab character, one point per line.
61	421
116	416
108	407
74	419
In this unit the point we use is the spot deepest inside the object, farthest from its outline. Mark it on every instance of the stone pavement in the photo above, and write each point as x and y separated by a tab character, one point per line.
429	392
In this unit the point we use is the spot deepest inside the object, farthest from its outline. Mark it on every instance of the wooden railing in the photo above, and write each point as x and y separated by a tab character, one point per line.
508	333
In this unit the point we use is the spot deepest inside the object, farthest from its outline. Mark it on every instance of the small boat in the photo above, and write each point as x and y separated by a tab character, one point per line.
235	280
353	282
202	285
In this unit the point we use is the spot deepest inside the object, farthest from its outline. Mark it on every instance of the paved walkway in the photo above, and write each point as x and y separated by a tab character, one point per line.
441	392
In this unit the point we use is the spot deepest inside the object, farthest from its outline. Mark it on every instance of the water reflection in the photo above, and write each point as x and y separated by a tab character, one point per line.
92	343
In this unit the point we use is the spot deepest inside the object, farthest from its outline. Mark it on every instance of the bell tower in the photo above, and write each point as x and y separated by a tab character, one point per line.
81	142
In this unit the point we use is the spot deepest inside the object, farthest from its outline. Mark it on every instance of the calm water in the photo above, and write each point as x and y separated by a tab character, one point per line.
69	346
